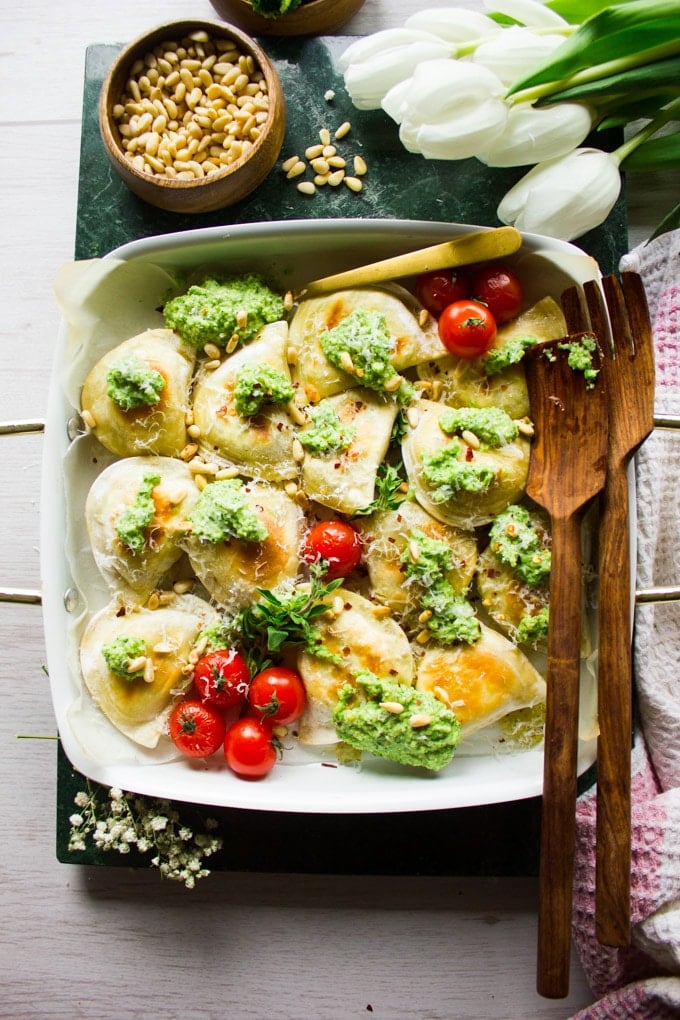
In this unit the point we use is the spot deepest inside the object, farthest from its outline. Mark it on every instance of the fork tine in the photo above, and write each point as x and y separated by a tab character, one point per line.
643	339
598	315
575	314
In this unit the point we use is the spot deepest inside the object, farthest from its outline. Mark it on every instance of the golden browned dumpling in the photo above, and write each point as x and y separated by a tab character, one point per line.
459	481
231	569
411	343
261	444
344	479
133	661
386	535
480	682
135	513
513	575
364	640
136	396
466	382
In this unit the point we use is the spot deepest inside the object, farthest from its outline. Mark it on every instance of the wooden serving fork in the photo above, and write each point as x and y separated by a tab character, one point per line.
628	371
566	471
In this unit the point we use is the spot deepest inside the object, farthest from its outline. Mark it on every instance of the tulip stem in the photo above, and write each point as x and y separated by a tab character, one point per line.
669	113
591	74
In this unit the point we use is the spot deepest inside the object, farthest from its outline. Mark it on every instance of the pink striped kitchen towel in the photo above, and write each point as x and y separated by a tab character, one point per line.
643	981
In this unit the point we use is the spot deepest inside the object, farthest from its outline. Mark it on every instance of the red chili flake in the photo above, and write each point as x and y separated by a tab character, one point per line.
469	454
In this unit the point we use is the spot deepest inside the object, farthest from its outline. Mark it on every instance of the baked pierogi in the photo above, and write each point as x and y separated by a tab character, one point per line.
136	512
135	398
134	662
232	568
480	682
459	478
318	377
386	535
344	478
362	639
261	444
496	380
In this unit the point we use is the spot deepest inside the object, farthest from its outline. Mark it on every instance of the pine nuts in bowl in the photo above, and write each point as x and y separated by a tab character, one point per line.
192	116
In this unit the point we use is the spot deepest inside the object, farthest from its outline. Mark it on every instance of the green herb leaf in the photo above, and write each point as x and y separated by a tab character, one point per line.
390	491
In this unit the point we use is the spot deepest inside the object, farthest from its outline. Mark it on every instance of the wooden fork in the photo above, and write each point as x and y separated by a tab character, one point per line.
566	471
628	369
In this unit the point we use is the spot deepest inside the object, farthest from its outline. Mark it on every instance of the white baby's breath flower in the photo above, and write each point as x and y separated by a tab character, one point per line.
81	799
158	823
76	820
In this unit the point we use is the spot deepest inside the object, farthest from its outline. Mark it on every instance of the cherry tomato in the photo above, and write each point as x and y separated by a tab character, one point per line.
499	289
336	542
440	288
467	329
221	678
249	748
197	729
278	694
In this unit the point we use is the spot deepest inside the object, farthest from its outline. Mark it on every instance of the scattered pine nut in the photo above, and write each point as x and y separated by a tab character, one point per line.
353	183
325	136
307	187
87	419
336	178
289	163
359	164
343	130
296	170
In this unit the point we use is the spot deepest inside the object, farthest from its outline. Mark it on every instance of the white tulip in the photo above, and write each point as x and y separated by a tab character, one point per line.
528	12
454	24
377	62
449	109
509	54
535	134
566	197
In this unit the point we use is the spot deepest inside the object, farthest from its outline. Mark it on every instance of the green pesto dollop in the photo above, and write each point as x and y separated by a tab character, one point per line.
509	353
215	636
580	358
427	561
524	727
223	512
492	426
532	629
216	309
326	434
275	8
257	385
131	526
364	337
130	383
515	540
424	732
119	653
448	474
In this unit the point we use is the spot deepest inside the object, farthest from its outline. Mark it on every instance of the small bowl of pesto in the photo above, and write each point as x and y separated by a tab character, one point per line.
288	17
192	116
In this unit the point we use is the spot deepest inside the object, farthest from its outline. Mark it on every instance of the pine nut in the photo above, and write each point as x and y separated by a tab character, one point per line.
353	183
419	720
359	165
307	187
343	130
394	707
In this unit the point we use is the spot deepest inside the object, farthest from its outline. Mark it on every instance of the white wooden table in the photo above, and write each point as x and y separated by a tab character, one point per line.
110	944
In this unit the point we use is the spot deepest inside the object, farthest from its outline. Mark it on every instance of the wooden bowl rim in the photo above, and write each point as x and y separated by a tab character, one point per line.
175	30
292	22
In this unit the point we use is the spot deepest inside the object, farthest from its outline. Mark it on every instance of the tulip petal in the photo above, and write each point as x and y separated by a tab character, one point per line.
528	12
453	24
534	135
369	81
564	198
366	47
463	135
514	50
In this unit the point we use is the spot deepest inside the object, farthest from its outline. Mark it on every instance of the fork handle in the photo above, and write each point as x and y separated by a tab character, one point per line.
558	817
613	846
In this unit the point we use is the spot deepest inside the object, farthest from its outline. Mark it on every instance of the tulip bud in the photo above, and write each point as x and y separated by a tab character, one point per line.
565	197
454	24
375	63
535	134
527	12
509	54
449	109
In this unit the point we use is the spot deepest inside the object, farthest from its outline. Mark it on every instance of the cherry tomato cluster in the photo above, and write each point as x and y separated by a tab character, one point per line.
229	709
470	305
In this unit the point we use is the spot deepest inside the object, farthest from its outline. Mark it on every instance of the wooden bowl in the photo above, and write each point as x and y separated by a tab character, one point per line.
144	169
314	17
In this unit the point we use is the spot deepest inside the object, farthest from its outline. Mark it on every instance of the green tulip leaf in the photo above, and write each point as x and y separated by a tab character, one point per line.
670	222
660	78
632	34
661	153
577	11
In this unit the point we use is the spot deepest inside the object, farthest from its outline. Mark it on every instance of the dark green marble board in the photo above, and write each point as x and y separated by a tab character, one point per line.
496	839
